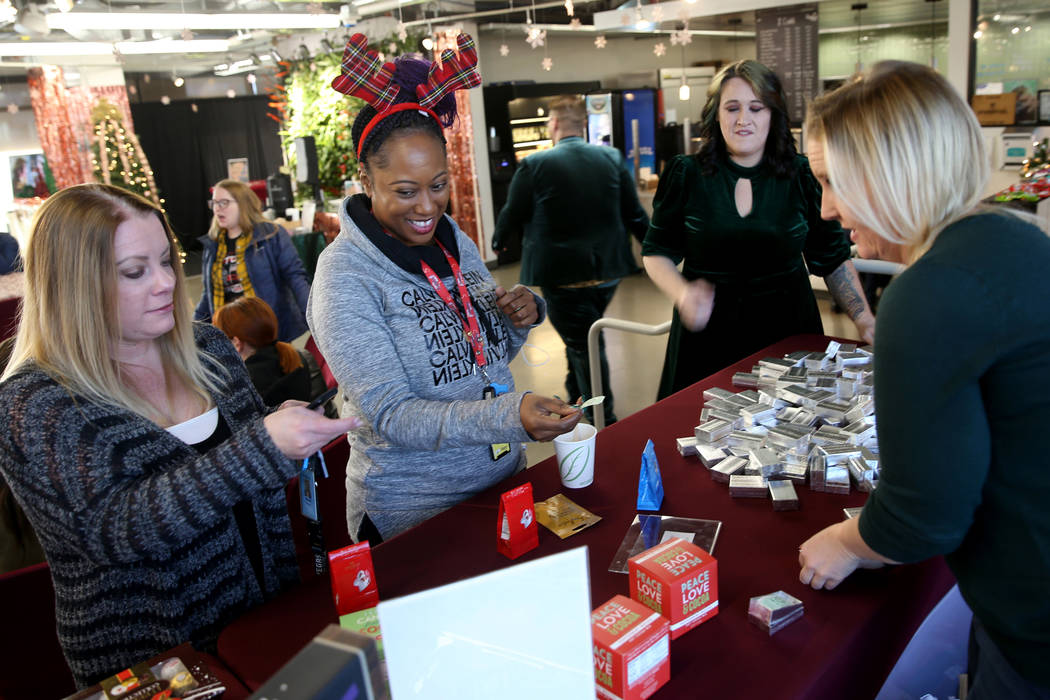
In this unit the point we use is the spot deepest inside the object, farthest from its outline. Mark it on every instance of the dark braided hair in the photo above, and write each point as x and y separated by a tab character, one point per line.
410	70
780	151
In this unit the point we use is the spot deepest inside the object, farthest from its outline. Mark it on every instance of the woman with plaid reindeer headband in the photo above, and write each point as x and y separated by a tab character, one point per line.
411	323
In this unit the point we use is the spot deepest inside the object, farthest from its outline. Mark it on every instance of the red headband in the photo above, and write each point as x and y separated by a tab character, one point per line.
364	75
380	116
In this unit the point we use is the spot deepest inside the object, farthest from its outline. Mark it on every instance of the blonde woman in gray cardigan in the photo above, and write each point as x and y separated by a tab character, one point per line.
135	442
391	310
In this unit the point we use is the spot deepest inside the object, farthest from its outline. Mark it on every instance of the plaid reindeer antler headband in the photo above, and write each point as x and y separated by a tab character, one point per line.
364	76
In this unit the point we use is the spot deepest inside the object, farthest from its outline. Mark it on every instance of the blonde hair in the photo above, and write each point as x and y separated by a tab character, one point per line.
248	206
570	111
70	325
903	152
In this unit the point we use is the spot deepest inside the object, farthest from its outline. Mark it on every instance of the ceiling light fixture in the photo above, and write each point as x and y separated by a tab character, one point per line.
164	20
245	65
99	48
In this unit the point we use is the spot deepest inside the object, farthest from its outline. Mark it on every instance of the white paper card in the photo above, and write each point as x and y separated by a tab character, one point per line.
669	534
519	633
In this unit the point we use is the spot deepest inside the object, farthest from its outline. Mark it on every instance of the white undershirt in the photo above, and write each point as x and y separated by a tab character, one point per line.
197	429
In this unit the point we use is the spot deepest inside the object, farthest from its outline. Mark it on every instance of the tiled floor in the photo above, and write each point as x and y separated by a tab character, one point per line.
635	360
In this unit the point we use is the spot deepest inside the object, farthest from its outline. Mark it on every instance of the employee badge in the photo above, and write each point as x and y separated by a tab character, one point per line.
491	391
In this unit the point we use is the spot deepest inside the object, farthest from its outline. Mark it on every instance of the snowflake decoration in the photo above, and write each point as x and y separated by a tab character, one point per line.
625	19
392	47
570	9
536	37
187	35
504	50
600	41
315	8
575	23
381	56
681	36
657	14
660	49
402	31
547	63
12	108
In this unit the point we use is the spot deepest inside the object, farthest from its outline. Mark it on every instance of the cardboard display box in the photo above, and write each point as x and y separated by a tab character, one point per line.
631	649
995	110
678	580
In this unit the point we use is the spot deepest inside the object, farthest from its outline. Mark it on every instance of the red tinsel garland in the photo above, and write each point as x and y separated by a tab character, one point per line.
460	137
63	119
47	92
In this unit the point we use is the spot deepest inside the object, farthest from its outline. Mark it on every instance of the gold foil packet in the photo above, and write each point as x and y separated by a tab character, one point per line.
563	517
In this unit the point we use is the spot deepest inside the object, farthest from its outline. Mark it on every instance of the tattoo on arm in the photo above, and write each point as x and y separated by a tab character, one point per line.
844	286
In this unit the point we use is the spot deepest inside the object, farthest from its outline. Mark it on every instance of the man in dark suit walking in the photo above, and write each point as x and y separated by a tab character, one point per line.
576	205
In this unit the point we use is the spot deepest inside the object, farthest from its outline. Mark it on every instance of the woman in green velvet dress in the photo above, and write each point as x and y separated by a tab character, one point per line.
744	214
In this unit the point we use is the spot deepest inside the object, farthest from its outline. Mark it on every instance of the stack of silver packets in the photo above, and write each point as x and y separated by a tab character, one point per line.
808	416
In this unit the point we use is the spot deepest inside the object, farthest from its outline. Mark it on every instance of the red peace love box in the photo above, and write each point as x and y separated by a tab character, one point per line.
678	580
353	578
516	529
631	649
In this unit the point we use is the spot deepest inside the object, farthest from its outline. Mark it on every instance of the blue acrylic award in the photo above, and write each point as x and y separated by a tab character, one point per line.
650	486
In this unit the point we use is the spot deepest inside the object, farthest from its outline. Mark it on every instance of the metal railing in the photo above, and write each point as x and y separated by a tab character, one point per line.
879	267
617	324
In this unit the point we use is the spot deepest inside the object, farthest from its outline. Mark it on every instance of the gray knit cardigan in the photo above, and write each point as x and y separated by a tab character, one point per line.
138	527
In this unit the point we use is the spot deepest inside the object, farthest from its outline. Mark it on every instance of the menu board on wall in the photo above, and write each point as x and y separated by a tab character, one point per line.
787	42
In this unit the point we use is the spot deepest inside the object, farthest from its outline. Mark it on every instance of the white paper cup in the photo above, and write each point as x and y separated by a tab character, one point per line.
575	453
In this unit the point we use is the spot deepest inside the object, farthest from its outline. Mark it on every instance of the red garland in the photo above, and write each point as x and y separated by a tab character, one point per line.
63	119
54	125
460	137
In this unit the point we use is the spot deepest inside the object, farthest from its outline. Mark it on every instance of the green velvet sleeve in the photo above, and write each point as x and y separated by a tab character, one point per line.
667	233
827	244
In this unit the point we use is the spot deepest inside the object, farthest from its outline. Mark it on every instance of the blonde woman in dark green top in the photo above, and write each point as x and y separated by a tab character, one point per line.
962	367
744	214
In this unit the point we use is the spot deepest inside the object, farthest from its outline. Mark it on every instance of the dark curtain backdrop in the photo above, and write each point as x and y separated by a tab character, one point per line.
188	149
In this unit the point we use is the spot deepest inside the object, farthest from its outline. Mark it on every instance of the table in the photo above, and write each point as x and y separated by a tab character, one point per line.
844	646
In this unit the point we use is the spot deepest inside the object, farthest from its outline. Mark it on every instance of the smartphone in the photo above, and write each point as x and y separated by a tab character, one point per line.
323	398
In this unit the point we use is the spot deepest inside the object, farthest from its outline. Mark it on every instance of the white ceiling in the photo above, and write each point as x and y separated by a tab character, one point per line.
834	14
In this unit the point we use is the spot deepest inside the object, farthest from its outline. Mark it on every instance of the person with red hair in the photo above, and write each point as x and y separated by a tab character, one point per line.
276	368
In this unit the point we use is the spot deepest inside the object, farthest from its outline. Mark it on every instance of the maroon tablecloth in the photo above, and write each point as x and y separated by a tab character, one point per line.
843	647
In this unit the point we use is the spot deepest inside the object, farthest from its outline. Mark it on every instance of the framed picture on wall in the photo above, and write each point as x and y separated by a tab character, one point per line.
1044	106
1025	109
30	176
237	169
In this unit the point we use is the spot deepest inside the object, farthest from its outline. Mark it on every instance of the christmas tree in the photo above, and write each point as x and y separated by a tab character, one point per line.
118	158
1040	160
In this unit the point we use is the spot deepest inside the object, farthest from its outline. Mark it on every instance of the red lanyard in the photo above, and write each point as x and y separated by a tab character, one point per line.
470	324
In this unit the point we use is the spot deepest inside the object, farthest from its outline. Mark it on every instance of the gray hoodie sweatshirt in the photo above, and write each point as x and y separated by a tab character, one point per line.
404	366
